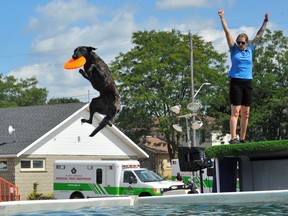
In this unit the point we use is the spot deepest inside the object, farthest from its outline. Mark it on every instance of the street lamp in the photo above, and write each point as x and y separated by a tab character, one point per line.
176	109
196	124
193	106
177	127
200	88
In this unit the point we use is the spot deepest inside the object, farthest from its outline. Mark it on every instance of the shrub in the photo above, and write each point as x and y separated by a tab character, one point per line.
39	196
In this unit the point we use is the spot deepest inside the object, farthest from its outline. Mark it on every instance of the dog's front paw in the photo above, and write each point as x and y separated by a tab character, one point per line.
81	71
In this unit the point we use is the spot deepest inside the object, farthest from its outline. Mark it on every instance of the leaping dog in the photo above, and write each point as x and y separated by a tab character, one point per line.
98	73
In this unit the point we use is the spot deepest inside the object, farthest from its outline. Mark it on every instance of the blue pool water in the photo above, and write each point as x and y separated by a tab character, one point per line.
173	210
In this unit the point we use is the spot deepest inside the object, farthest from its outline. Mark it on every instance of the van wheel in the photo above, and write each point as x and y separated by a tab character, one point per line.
77	195
144	194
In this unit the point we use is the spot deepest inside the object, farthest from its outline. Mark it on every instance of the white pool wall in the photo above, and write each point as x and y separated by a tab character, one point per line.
231	198
18	207
218	198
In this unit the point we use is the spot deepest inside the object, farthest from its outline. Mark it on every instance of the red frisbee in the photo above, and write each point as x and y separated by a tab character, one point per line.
75	63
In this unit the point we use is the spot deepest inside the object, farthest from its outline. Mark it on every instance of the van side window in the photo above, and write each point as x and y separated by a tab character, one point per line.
128	175
99	176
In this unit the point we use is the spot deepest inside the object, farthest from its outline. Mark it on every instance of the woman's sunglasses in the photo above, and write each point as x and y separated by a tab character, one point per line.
241	42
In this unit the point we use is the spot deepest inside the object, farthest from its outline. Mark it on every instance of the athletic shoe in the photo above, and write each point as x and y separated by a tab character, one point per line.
243	141
234	141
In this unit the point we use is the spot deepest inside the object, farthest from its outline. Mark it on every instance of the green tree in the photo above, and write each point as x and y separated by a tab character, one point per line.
269	119
155	75
23	92
62	101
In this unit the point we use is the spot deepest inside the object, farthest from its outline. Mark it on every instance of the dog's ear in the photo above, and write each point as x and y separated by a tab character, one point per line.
90	49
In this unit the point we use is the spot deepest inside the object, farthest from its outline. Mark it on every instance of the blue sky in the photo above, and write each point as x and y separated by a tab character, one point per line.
39	36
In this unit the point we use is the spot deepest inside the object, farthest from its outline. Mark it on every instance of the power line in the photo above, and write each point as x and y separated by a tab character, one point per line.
102	43
39	53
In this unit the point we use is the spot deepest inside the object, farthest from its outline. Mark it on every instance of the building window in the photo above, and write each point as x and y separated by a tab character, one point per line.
33	165
3	165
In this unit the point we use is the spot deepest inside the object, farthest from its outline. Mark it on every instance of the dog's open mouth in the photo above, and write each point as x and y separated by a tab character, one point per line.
75	63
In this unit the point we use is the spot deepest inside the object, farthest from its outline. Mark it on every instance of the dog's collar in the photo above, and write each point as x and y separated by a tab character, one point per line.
90	56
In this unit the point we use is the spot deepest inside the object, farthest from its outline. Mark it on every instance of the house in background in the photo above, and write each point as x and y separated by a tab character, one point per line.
44	134
159	160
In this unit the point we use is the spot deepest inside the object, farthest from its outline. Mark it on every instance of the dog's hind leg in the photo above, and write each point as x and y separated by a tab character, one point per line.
113	111
95	106
107	120
89	121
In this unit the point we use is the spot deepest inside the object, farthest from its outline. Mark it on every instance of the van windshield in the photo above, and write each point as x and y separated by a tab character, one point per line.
148	176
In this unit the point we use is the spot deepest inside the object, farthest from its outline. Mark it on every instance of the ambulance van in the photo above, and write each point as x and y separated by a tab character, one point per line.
76	179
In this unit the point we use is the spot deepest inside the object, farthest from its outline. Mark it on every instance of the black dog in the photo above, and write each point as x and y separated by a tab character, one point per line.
98	73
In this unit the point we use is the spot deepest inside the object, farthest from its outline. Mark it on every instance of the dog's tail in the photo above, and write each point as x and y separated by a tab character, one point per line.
102	124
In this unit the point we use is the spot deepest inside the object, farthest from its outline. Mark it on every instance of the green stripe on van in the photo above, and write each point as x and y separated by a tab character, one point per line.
98	189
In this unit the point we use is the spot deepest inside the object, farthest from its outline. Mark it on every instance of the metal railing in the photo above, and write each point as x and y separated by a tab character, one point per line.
8	191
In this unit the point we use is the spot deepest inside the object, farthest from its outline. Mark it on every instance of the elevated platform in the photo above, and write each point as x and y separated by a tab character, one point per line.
262	165
252	149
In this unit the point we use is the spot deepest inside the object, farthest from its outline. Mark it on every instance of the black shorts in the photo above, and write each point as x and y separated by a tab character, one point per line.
240	92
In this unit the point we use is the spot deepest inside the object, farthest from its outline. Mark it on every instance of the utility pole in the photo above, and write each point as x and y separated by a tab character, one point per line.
192	86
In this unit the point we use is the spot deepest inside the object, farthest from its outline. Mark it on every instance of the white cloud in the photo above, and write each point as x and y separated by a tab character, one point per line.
58	15
108	34
173	4
61	26
64	25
